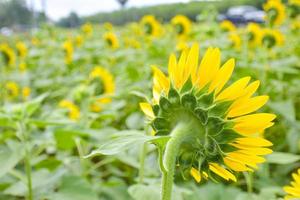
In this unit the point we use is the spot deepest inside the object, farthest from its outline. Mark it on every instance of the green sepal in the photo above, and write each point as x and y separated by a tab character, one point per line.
189	101
215	125
206	100
162	132
226	136
210	148
220	109
173	96
164	104
155	109
160	123
202	115
188	85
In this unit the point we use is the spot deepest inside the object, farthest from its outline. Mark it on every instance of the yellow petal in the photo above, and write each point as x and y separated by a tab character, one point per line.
234	91
236	165
192	63
172	68
245	105
217	169
254	123
251	89
256	151
147	109
160	80
202	79
180	69
195	174
222	76
255	141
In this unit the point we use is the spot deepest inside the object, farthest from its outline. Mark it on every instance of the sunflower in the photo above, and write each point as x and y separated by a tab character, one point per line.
78	40
22	49
12	89
111	39
213	131
26	92
235	40
254	34
22	67
228	26
104	84
294	8
73	110
275	12
8	54
293	191
87	29
69	51
182	25
151	25
108	26
181	45
271	38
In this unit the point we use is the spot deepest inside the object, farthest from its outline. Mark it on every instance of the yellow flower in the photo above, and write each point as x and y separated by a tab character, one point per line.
111	39
107	84
35	41
228	26
130	42
26	92
74	112
275	12
254	34
293	191
108	26
294	8
78	40
182	25
87	28
22	67
271	38
220	132
12	89
69	50
181	45
8	54
22	49
235	40
151	26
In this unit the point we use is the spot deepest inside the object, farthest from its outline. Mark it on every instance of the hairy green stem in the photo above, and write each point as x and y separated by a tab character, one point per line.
178	136
24	139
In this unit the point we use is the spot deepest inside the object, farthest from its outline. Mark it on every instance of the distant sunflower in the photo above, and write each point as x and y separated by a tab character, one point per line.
87	29
8	54
275	12
69	51
293	191
103	82
111	39
182	25
214	131
254	34
294	8
227	26
22	49
78	40
73	110
12	89
271	38
235	40
26	92
151	26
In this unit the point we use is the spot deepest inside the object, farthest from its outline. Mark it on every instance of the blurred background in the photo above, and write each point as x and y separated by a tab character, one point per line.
22	15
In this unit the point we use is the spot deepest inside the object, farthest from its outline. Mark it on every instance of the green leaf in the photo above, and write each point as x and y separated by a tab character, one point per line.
145	192
6	121
9	157
285	108
74	188
282	158
122	141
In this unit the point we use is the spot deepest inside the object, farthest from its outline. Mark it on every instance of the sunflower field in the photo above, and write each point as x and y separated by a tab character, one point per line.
178	110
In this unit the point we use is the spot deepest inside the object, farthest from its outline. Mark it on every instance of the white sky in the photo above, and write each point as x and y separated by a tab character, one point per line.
60	8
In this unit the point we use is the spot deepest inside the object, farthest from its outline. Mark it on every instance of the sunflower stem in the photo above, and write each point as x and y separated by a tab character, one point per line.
142	163
178	135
